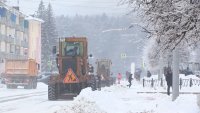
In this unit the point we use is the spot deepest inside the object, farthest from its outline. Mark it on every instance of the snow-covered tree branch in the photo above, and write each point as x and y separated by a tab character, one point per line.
172	23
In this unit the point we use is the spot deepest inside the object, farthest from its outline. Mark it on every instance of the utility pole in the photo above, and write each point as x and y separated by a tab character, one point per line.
175	78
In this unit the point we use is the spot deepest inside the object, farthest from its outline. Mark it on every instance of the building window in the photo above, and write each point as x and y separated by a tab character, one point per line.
8	31
8	47
17	50
18	34
3	29
3	46
21	51
12	48
25	51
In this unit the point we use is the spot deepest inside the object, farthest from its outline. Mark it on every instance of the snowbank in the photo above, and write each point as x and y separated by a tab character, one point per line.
121	99
82	104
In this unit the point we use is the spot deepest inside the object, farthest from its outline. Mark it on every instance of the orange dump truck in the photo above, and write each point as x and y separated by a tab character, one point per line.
21	73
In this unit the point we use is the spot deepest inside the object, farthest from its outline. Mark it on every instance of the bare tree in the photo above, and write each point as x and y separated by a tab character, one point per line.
172	23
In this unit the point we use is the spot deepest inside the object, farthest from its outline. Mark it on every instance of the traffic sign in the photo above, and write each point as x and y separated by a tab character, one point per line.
123	55
70	77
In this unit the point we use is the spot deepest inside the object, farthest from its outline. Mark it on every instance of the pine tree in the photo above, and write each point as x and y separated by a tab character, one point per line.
42	14
51	35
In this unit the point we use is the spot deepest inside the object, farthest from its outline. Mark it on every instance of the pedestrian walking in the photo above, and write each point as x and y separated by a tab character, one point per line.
130	80
119	77
148	73
168	77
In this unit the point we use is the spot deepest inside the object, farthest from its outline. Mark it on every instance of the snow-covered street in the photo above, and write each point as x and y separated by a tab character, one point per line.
28	101
115	99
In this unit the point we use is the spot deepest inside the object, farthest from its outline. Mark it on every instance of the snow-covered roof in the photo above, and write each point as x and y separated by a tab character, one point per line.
34	18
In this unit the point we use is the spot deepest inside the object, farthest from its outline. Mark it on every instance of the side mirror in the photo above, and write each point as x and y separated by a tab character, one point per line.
54	50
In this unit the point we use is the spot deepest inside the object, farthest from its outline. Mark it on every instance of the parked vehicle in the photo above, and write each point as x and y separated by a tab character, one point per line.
44	77
21	72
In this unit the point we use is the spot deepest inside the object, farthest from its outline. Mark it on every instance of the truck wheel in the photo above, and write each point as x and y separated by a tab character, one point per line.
35	84
29	86
8	86
52	94
13	86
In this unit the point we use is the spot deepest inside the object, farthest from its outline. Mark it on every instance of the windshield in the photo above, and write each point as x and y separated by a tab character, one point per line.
72	49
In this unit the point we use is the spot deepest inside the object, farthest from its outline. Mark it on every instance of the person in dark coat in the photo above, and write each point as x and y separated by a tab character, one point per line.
148	73
168	77
130	80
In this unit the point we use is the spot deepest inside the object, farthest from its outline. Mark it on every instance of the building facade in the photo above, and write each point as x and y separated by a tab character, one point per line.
15	36
35	39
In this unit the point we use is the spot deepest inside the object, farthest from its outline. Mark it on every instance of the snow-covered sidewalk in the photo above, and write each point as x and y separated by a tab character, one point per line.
121	99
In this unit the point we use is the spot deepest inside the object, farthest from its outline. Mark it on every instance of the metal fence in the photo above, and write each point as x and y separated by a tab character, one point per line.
162	82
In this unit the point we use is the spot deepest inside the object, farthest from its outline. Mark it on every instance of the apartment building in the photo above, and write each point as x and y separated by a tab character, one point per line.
14	36
35	39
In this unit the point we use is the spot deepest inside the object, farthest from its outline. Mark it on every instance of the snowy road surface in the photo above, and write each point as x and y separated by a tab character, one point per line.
115	99
28	101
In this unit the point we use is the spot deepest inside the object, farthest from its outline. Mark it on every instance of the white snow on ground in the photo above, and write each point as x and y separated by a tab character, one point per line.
28	100
20	90
120	99
115	99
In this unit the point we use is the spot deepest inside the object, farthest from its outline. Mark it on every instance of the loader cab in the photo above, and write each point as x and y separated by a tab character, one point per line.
72	49
73	55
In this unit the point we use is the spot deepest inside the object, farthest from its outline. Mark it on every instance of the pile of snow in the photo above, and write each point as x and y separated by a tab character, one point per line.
121	99
81	105
41	85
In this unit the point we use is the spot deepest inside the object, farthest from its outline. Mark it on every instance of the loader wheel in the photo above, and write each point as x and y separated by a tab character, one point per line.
29	86
52	94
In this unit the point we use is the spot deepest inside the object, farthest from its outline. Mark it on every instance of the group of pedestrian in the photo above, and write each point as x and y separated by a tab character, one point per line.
167	74
129	76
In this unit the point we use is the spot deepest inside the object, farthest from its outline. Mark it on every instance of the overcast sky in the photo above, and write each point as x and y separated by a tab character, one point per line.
73	7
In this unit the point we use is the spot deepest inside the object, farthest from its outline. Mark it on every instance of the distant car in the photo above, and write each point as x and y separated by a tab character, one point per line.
44	77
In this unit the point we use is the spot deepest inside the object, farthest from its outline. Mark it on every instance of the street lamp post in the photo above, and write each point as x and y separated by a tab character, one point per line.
175	78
